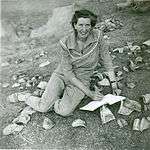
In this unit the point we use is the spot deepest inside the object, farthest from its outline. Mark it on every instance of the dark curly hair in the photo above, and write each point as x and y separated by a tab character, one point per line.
84	14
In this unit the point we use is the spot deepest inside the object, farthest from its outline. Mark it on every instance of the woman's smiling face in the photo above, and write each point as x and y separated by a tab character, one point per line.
83	27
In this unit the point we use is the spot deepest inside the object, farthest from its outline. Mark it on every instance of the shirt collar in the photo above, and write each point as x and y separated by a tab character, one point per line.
72	41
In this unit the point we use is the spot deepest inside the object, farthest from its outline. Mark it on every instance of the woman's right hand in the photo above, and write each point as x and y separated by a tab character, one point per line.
96	95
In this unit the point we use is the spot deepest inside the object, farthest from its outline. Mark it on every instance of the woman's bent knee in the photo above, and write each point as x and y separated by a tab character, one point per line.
62	111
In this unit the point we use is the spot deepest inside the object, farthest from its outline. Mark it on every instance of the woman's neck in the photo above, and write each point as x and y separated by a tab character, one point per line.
81	39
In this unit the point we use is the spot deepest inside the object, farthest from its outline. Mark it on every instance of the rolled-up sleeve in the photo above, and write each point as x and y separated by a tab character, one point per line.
66	65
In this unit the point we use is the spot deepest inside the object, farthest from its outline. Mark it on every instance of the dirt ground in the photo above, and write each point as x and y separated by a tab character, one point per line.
96	136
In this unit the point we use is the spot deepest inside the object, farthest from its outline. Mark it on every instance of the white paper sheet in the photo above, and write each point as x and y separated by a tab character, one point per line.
107	99
112	99
93	105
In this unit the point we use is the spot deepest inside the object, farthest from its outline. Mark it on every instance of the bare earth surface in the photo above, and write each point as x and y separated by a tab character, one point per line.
136	28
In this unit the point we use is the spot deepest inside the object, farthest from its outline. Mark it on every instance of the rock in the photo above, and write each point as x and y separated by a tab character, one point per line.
115	67
23	96
13	98
5	64
43	53
48	124
106	114
22	119
125	69
42	85
40	77
12	129
145	124
22	80
33	79
141	125
134	105
124	110
15	85
138	60
119	73
14	77
147	43
16	97
133	66
22	75
135	48
27	111
21	88
110	24
119	78
5	85
106	37
78	123
136	124
130	85
148	118
146	98
44	64
28	84
129	44
122	122
20	60
37	56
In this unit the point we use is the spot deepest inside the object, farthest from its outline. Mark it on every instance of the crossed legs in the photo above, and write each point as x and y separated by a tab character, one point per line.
65	98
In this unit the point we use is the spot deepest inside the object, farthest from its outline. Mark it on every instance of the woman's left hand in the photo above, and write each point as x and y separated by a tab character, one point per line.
114	88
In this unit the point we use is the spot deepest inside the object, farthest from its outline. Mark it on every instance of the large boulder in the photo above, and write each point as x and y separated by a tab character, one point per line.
58	25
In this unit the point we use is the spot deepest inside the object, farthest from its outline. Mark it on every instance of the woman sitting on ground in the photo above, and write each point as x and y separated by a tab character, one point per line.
81	51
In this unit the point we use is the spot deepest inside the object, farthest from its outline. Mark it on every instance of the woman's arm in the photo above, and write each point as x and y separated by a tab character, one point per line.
69	75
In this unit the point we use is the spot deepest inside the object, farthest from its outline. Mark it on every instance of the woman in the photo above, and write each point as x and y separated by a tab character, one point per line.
81	51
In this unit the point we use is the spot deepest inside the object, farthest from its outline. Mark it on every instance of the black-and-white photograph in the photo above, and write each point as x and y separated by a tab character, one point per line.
75	74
